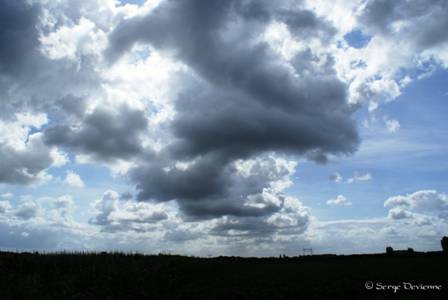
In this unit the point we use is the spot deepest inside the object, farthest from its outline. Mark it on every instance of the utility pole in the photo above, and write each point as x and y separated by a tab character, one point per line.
307	251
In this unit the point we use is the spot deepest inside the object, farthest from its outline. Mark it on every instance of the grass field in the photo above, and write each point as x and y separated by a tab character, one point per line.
136	276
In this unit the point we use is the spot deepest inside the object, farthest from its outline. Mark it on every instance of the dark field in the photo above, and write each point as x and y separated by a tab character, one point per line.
120	276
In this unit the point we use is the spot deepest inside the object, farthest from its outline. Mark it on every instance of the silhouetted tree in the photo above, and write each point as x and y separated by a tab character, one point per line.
390	250
444	243
410	250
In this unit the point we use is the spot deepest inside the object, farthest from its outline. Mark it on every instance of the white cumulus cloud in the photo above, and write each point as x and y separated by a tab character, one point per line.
73	179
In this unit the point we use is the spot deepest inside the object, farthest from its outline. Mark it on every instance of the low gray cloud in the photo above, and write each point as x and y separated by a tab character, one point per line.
245	227
106	134
399	214
114	214
421	208
27	210
287	221
25	237
181	236
211	188
431	200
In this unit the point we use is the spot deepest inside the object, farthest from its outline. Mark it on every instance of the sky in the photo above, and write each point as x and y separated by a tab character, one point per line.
239	127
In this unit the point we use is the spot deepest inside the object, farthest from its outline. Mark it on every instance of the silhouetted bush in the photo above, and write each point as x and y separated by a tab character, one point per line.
444	243
390	250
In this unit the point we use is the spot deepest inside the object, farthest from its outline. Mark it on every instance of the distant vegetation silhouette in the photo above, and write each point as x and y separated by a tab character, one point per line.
136	276
118	275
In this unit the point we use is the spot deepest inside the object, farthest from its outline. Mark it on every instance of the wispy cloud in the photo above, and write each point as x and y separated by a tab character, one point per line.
340	200
360	177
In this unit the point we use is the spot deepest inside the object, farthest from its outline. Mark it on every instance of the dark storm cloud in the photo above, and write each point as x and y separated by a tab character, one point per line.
18	43
29	80
426	20
32	83
305	24
301	22
22	166
205	179
243	227
237	126
18	35
196	31
72	105
105	134
249	101
226	205
211	187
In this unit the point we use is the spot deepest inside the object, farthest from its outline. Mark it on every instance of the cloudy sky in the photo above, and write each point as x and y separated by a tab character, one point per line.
237	127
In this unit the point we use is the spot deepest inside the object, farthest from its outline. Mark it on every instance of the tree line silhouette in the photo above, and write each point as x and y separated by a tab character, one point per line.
117	275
